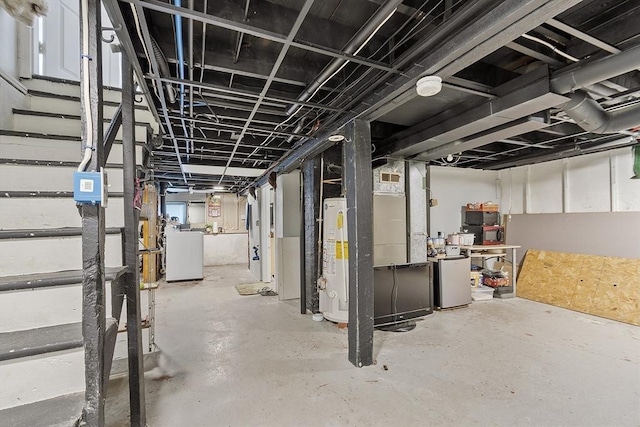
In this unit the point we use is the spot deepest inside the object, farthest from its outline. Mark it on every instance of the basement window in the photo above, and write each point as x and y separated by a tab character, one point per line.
390	177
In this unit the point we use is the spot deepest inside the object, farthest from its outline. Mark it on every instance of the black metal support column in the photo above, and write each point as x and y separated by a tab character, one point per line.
358	186
93	225
311	232
132	286
163	199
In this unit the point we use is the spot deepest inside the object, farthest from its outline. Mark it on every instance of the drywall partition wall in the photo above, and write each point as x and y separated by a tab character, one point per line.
613	234
265	202
454	188
226	248
287	230
253	212
597	182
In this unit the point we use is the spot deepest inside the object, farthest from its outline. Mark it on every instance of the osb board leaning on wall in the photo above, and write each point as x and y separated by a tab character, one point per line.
608	287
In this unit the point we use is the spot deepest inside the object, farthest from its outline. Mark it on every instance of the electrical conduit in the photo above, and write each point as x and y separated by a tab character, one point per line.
180	49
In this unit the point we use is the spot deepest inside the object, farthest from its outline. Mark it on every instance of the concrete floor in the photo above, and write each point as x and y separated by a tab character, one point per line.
238	360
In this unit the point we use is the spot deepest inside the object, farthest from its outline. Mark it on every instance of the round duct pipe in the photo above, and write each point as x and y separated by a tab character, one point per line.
590	116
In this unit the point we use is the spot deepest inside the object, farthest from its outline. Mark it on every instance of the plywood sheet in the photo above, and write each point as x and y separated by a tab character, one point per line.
608	287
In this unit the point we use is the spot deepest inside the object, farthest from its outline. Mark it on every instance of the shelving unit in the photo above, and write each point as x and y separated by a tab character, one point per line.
481	251
150	256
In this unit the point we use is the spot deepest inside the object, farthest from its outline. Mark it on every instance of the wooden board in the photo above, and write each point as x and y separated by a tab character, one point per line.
608	287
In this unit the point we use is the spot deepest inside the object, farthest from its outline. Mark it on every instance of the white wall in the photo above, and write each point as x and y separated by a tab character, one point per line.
9	51
597	182
454	188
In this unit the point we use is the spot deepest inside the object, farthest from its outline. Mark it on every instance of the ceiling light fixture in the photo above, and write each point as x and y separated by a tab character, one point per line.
336	138
218	188
429	85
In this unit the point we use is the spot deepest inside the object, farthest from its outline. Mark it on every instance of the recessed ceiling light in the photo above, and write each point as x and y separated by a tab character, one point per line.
336	138
429	85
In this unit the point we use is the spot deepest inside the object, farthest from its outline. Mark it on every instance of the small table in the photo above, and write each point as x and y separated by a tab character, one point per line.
481	251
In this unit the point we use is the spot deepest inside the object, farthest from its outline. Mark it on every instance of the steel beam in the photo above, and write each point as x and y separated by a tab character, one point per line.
283	52
146	39
532	94
110	134
257	32
93	219
243	93
311	233
497	27
358	185
132	288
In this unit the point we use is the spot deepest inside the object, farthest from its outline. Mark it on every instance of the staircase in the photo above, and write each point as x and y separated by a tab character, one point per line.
41	354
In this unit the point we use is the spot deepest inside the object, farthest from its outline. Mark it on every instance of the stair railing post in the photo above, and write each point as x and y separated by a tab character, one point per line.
93	225
131	219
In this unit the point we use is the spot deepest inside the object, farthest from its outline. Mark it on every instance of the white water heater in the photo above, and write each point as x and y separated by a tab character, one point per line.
333	285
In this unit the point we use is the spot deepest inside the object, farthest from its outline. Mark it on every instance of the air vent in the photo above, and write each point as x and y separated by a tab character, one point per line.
390	177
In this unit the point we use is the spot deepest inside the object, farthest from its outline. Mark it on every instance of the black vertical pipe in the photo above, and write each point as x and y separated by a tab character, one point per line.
303	258
311	231
407	198
163	199
93	225
132	286
358	185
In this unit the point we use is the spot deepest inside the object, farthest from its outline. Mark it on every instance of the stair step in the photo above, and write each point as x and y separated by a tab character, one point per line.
53	148
63	124
61	411
46	280
67	104
58	86
50	302
52	254
27	212
36	178
32	342
50	232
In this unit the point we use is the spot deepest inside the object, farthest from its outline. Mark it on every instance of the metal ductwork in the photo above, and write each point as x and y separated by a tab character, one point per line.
590	116
585	111
354	46
297	129
163	66
597	71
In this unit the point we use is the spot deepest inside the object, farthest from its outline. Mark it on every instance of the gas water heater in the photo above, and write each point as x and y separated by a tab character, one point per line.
333	284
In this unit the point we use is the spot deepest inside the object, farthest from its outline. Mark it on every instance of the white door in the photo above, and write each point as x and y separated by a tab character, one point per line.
60	45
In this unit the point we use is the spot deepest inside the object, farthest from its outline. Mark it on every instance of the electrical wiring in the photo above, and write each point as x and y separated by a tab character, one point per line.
550	46
88	145
411	33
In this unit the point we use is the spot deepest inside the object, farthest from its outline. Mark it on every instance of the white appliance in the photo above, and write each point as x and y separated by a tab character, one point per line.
184	255
333	284
452	287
